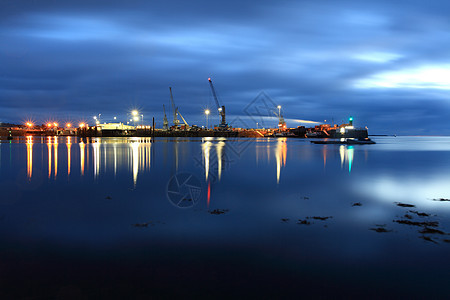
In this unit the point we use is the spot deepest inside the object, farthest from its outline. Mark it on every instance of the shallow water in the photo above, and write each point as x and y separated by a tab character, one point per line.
191	216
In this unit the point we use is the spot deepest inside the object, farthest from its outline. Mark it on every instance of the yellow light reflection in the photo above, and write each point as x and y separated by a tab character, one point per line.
55	147
135	161
69	146
29	157
206	147
49	147
96	154
342	155
219	150
82	146
280	155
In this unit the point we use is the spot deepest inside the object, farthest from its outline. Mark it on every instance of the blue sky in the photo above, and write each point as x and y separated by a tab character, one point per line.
385	63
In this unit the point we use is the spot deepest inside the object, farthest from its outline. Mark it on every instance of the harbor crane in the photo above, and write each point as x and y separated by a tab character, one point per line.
176	122
223	124
165	121
281	121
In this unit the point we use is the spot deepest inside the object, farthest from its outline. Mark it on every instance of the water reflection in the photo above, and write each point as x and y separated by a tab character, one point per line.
29	157
346	154
206	148
82	152
69	146
55	147
280	155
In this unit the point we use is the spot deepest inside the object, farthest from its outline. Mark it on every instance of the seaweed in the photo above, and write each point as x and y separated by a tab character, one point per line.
380	229
218	211
404	204
414	223
427	230
303	222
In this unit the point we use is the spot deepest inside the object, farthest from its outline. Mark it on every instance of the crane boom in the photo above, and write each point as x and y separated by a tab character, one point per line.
176	122
221	109
185	123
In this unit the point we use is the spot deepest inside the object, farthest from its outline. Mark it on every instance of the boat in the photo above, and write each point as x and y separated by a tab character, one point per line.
364	141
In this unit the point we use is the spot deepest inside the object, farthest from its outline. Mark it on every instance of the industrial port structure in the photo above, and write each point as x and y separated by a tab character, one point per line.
178	129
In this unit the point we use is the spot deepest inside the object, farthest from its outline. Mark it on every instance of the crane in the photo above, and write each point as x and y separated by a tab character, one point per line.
176	122
184	121
281	121
221	109
165	121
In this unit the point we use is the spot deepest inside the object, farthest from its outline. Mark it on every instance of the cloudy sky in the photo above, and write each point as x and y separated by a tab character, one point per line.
386	63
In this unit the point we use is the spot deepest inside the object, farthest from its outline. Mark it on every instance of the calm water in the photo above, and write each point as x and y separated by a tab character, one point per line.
111	217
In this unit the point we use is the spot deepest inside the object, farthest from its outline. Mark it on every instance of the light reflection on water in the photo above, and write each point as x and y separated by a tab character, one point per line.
120	182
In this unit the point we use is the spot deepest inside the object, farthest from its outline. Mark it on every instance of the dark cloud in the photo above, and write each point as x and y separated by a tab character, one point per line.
319	60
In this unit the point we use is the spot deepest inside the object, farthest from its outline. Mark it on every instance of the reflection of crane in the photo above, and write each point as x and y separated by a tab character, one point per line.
221	109
176	122
165	121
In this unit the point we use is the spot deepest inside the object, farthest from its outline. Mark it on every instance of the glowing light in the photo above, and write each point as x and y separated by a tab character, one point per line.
55	124
69	147
135	161
68	125
207	111
219	148
206	148
280	156
55	147
342	130
135	113
49	146
82	146
49	124
81	125
29	157
279	106
29	124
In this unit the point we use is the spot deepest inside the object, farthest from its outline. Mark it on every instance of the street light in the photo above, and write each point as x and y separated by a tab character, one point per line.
279	110
142	122
207	117
134	112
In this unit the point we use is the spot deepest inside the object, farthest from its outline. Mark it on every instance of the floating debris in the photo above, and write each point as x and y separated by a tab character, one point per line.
447	241
141	225
441	199
108	197
380	229
357	204
146	224
321	218
420	214
218	211
404	204
285	220
303	222
408	216
414	223
427	238
427	230
305	198
380	225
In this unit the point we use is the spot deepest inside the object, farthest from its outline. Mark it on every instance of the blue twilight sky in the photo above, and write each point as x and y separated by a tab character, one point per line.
386	63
